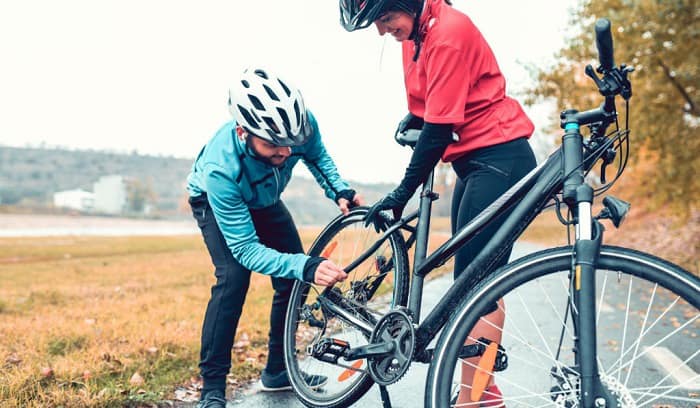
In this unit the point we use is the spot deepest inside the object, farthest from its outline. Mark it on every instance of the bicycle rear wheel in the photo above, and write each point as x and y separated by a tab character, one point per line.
374	287
647	326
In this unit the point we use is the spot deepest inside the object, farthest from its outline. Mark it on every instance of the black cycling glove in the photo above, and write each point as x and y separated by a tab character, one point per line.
432	142
310	267
409	121
348	194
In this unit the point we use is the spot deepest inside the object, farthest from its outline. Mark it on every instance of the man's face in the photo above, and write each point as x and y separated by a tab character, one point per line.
268	152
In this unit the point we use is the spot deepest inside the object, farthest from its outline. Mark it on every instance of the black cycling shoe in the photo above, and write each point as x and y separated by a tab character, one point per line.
213	399
280	381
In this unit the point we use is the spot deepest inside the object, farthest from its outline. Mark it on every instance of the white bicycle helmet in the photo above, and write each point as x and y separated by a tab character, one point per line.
269	108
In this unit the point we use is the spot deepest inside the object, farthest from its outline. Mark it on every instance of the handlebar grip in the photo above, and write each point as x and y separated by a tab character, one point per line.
604	43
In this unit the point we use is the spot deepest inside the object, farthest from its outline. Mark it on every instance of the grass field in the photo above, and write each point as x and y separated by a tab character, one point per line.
90	321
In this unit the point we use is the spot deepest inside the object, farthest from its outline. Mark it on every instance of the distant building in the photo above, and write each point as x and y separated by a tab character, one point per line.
80	200
110	194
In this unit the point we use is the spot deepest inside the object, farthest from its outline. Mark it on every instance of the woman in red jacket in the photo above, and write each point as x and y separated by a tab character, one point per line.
453	84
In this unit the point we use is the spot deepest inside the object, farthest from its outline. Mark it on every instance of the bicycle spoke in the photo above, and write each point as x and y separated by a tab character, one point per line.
678	329
549	353
624	325
522	399
690	381
664	395
543	367
602	296
641	330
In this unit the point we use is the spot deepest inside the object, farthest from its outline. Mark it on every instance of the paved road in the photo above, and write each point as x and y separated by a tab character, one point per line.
538	299
407	393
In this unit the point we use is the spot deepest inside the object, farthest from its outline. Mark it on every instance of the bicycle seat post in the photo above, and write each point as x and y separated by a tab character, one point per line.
422	229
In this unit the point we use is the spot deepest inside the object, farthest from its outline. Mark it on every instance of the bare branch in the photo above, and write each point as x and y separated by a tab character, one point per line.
693	110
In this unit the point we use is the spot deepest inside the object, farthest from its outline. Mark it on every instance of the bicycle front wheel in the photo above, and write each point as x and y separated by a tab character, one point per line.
372	288
647	334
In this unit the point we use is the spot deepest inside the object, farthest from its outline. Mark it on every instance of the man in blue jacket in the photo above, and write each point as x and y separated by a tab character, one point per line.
235	186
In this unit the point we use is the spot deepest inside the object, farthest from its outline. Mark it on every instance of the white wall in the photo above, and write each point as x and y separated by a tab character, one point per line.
110	194
80	200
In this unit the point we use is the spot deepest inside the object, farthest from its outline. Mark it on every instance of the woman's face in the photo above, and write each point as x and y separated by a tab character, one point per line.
397	23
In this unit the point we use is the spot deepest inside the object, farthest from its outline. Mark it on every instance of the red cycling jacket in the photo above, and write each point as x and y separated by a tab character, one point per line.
456	80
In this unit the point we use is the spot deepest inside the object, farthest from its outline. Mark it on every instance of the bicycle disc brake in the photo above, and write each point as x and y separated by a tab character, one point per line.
395	329
564	393
618	390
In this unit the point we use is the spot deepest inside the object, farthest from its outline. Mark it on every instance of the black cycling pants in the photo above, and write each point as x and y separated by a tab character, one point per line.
275	228
482	176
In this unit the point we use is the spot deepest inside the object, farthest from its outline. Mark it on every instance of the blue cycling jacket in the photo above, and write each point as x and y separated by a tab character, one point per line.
234	181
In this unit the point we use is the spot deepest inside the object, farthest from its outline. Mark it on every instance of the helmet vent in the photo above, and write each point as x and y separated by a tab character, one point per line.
261	73
270	93
256	102
247	117
271	124
286	89
296	111
285	117
245	83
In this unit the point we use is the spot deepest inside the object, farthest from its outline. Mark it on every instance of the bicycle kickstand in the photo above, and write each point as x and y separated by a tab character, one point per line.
386	402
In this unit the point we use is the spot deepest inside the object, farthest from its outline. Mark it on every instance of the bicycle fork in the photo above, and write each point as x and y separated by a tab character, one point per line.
587	249
578	195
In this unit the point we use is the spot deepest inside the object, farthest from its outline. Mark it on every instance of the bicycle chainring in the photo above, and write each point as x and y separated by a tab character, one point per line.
396	327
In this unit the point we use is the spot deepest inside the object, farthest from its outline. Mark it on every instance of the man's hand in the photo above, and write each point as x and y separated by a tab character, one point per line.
346	205
327	274
348	199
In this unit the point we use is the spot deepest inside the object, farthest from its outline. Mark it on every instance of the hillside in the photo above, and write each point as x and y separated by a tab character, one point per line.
30	176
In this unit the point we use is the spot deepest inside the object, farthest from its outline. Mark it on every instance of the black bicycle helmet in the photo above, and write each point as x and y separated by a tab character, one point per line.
359	14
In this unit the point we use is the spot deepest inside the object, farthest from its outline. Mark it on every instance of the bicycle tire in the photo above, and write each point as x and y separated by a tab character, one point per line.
651	289
391	291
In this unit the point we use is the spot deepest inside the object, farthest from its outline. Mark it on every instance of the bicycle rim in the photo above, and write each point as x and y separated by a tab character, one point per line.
647	333
375	286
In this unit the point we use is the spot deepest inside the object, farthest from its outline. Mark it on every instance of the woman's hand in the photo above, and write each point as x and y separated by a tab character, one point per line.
394	201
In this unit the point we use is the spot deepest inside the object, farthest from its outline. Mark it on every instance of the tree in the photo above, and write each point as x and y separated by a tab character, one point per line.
660	39
139	195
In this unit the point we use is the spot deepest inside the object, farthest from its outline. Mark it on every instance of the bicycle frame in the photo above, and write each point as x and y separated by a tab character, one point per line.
563	170
562	173
533	192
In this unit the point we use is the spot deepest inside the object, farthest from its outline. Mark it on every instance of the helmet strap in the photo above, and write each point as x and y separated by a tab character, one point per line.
417	33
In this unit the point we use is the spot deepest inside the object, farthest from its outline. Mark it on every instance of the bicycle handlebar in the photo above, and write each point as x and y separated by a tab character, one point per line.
604	43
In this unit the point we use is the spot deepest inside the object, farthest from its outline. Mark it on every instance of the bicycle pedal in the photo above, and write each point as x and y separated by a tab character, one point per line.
329	350
478	349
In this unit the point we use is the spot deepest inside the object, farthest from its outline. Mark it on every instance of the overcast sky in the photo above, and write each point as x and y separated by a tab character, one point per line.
152	75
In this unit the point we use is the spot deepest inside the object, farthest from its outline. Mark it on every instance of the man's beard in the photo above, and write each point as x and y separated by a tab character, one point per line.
267	160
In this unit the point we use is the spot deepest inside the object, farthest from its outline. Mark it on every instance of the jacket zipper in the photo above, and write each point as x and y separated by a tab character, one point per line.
277	182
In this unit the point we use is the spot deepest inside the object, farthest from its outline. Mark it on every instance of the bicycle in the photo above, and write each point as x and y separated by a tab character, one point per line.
369	330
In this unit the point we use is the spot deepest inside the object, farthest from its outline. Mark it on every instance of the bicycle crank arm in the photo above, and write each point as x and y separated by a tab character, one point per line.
370	350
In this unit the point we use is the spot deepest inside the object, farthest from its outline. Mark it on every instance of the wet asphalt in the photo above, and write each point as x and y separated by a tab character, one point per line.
406	393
